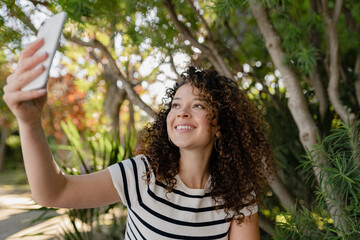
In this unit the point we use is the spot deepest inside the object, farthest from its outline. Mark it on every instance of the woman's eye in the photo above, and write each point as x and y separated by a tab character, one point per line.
200	106
175	105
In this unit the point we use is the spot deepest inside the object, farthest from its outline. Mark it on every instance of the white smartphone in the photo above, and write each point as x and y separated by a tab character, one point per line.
50	30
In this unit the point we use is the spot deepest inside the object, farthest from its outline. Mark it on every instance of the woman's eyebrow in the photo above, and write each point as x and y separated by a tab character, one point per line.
194	99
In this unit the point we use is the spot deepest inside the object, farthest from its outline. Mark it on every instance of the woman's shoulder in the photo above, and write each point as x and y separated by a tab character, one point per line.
138	161
133	168
139	158
142	159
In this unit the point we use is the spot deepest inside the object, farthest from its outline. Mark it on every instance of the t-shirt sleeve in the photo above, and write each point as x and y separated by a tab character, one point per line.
125	175
247	211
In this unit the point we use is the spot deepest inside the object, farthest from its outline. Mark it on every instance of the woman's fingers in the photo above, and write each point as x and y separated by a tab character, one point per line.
14	98
17	80
31	62
29	57
31	49
29	67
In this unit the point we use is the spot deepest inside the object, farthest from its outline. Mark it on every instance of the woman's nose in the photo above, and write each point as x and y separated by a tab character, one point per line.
183	114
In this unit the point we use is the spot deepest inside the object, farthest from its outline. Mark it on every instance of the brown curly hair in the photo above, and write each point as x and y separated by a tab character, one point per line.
241	159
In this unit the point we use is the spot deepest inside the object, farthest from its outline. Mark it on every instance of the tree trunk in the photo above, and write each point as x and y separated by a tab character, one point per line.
297	104
4	133
114	97
282	192
117	73
266	225
333	52
315	81
357	81
131	123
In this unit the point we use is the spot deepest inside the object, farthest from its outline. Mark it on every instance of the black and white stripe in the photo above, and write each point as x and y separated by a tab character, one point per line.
153	213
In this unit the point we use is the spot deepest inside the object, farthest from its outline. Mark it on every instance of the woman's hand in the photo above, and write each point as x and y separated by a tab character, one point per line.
26	105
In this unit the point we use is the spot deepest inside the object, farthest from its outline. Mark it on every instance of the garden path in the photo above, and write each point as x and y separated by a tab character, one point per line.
17	210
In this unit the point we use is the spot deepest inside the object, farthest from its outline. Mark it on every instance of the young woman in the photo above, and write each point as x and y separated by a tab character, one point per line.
200	170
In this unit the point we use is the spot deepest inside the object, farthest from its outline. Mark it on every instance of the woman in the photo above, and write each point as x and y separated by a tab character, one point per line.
201	165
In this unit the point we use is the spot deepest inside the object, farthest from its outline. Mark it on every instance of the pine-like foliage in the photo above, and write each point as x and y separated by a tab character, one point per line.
339	155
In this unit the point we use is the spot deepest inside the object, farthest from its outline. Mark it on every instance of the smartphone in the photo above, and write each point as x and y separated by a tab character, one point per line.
50	30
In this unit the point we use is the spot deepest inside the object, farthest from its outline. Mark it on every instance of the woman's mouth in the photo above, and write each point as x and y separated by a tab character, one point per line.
184	127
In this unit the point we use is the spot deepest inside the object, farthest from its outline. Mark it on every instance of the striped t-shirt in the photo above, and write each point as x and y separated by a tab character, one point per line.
153	213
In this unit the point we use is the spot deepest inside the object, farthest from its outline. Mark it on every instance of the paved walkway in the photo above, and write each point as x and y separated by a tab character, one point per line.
17	210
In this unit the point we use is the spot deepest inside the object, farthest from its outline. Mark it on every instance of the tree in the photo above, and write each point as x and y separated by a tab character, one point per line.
299	61
5	118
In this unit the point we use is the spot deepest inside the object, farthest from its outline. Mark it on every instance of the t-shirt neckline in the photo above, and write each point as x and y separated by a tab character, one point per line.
199	191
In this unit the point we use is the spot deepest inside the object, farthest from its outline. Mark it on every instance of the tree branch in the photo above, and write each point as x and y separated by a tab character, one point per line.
35	2
172	64
266	225
16	11
130	70
357	81
333	52
314	80
226	71
280	190
338	6
183	29
297	103
238	43
133	96
202	20
209	51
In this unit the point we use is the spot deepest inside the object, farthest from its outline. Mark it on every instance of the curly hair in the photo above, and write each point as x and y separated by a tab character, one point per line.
241	159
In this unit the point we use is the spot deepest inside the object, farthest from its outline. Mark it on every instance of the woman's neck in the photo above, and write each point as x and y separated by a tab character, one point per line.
194	168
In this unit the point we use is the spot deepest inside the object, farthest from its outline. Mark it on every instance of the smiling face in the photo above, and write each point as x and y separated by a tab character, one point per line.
188	123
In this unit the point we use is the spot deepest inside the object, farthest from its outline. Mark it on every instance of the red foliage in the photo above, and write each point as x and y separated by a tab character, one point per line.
64	101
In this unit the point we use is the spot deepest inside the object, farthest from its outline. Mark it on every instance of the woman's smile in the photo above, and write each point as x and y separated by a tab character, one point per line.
184	127
188	123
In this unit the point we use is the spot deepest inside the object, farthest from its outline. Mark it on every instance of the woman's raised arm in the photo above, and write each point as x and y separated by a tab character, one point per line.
49	186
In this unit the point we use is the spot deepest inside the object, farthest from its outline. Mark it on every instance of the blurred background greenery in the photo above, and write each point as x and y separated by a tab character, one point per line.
299	61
